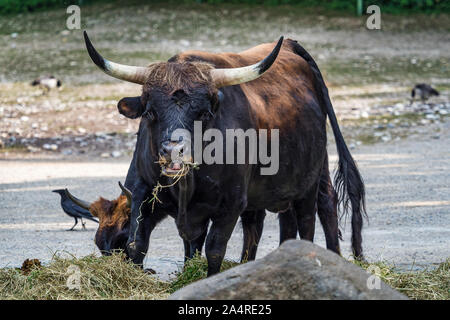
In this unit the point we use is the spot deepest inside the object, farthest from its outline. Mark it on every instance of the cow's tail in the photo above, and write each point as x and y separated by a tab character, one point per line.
348	182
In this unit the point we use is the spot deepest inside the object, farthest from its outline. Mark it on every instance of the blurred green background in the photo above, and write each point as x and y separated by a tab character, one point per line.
388	6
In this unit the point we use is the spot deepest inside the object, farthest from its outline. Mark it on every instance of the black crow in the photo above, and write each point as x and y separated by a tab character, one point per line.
423	91
73	210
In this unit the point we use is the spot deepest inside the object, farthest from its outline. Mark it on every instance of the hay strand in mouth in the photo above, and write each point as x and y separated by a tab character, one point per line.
186	167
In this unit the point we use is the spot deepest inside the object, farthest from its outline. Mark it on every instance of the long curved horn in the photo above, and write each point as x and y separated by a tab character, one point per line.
127	192
84	204
232	76
120	71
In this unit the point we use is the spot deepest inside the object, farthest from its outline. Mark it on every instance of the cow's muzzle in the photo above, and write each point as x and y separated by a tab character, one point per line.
172	156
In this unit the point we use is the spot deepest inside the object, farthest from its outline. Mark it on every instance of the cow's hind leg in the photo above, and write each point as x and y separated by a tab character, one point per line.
196	246
306	214
252	227
288	225
327	209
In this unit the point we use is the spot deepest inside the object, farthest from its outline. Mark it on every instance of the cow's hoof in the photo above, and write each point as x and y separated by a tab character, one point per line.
132	249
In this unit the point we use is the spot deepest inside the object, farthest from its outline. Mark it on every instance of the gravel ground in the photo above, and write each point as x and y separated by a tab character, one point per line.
408	200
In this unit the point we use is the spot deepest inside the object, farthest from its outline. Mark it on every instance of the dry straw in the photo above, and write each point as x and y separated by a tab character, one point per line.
110	277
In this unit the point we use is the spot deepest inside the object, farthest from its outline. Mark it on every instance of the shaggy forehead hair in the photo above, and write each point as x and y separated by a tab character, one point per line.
173	76
113	213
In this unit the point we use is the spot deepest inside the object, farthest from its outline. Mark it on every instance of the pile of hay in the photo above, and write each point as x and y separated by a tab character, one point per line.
419	285
113	277
109	277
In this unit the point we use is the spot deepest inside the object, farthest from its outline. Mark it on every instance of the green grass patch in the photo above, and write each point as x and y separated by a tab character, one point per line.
196	269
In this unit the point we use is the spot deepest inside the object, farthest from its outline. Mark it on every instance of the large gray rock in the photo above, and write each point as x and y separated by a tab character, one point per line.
297	270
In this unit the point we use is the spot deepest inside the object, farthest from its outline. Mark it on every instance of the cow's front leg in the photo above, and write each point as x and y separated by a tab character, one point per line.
142	223
217	240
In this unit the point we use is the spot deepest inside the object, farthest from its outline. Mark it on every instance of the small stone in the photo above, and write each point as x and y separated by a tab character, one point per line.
185	43
24	118
116	154
378	134
48	146
105	155
33	149
67	152
364	114
432	117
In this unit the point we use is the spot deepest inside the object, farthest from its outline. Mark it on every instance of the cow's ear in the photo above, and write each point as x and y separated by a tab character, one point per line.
131	107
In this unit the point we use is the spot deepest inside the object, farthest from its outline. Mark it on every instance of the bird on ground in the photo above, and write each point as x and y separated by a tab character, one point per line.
47	83
73	210
423	91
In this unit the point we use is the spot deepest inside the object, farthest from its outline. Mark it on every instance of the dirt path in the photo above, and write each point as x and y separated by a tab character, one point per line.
408	200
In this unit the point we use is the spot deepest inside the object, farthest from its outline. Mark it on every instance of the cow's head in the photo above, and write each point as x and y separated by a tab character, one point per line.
113	216
174	95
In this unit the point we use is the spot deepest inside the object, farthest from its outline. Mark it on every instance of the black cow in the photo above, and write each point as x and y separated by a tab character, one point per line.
218	90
